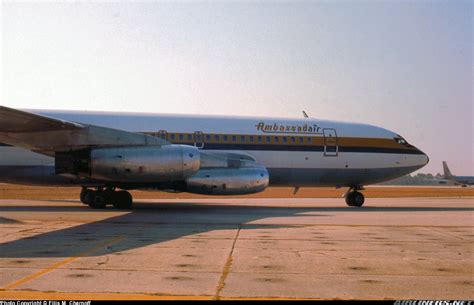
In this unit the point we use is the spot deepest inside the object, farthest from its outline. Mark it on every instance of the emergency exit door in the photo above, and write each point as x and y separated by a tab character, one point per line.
330	142
198	139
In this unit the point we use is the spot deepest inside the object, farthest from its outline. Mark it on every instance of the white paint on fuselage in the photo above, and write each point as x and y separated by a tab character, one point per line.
315	160
139	122
14	156
234	125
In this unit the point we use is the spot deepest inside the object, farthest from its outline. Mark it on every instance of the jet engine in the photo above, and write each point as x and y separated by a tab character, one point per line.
228	181
132	164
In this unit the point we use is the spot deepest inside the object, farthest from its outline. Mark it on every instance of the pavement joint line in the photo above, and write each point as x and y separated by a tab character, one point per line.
179	224
47	295
43	295
258	273
447	234
53	295
227	266
60	264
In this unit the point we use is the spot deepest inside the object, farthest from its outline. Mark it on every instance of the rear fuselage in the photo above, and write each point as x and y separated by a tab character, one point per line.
464	180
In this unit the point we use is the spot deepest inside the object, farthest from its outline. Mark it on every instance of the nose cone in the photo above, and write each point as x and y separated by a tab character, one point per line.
424	159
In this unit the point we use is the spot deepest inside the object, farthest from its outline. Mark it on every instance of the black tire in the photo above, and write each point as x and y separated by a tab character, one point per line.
95	200
122	200
82	197
358	199
355	199
349	199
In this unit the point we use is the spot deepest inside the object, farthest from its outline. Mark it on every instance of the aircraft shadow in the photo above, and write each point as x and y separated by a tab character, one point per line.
147	224
152	223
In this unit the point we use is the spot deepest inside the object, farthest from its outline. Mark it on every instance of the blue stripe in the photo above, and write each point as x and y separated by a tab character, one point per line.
380	150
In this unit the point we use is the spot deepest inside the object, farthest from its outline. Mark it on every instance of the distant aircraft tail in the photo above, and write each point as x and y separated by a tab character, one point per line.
447	172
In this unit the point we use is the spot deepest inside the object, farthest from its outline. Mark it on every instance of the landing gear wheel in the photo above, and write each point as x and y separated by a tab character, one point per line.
358	199
84	192
349	198
95	200
122	200
355	199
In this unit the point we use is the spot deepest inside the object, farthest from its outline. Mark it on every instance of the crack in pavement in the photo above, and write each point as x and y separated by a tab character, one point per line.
227	266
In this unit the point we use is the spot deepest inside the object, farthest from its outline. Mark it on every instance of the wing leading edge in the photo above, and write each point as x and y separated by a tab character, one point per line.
17	121
48	135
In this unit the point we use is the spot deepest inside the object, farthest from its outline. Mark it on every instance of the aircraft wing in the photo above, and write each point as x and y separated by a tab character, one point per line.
47	135
17	121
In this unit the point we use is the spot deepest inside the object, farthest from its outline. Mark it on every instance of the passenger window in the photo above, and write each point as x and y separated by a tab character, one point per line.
234	138
251	139
225	138
208	138
173	137
275	139
301	140
293	140
259	139
308	140
216	138
268	139
242	138
190	137
181	137
284	139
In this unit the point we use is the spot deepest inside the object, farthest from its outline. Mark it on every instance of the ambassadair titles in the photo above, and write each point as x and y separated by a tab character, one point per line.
280	128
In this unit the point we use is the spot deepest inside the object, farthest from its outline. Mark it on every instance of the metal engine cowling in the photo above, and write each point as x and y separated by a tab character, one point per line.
228	181
144	164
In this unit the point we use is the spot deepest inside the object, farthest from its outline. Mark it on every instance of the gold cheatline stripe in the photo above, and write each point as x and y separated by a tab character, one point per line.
317	140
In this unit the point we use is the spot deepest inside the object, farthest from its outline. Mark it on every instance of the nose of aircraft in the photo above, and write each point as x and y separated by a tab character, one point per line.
424	159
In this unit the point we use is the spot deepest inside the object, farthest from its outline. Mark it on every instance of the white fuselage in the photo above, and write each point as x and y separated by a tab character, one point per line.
299	152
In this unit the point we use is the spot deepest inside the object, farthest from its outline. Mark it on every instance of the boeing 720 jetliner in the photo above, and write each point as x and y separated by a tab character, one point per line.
462	180
109	153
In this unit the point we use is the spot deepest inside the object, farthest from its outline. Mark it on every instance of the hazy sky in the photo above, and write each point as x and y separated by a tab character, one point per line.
406	66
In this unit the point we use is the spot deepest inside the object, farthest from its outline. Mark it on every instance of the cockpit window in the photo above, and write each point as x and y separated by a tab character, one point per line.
401	141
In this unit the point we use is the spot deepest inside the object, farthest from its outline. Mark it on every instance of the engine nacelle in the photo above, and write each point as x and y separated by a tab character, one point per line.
228	181
144	164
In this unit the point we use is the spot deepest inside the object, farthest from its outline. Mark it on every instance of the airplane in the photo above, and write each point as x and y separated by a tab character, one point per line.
462	180
108	154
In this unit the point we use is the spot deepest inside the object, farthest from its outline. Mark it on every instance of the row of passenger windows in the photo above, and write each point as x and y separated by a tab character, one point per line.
219	138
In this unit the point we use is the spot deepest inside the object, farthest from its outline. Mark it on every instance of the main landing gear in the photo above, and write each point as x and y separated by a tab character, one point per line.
354	198
100	198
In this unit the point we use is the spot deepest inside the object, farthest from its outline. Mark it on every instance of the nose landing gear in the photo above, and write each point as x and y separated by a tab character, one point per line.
100	198
354	198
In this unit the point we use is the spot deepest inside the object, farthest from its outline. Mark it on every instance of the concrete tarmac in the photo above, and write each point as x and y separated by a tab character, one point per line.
285	248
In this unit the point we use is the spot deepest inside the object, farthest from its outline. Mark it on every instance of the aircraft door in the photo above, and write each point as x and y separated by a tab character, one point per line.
198	139
330	142
163	134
